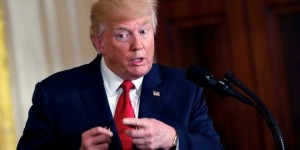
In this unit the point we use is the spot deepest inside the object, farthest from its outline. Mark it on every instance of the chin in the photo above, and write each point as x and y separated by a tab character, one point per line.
141	72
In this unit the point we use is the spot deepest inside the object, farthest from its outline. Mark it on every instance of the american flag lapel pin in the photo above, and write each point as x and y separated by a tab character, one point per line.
156	93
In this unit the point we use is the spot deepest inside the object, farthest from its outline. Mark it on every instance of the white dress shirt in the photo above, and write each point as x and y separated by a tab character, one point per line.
113	90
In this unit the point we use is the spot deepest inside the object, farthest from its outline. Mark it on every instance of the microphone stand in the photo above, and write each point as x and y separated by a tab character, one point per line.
272	124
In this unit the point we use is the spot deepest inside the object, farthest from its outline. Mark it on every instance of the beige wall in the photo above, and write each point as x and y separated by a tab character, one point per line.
44	36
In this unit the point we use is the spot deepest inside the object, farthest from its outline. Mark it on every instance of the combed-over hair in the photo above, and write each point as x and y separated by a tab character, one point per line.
115	10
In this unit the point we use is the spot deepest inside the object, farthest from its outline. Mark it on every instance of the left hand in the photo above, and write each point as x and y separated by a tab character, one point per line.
150	133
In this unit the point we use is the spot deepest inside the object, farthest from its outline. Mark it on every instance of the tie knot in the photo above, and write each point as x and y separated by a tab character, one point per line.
126	86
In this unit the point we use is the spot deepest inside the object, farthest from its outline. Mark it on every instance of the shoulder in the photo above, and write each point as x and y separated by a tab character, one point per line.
169	72
64	78
172	75
73	76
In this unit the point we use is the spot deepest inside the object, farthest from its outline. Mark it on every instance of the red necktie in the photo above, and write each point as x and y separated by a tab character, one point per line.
124	110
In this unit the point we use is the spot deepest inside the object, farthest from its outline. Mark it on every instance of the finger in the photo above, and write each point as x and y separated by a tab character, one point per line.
138	141
135	133
130	121
96	136
99	130
101	139
142	147
137	123
102	146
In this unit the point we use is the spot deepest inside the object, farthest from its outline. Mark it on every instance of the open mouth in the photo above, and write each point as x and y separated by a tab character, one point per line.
138	61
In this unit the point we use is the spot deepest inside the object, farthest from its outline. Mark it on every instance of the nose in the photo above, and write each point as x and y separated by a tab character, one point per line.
137	42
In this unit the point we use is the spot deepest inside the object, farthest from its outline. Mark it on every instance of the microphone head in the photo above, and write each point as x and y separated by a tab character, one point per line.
200	76
203	78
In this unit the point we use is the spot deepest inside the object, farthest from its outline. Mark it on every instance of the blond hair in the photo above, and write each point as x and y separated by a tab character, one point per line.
115	10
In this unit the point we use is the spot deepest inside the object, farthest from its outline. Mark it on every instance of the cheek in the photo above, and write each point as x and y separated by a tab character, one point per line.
117	52
151	42
151	48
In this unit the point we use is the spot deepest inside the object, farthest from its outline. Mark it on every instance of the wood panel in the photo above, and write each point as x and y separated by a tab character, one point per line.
286	52
270	63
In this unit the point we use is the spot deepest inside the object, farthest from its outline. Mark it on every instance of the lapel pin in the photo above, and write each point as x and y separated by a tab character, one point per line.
156	93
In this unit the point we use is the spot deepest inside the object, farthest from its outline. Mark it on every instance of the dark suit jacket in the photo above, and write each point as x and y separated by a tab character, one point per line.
70	102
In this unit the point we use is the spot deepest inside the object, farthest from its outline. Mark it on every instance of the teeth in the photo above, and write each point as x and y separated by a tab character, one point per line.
137	59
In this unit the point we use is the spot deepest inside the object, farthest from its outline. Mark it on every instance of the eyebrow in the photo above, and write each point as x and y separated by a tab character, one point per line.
121	27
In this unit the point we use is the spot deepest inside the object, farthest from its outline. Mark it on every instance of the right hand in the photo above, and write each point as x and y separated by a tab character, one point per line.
96	138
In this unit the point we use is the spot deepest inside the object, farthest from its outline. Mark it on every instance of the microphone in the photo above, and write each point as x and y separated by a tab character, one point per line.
203	78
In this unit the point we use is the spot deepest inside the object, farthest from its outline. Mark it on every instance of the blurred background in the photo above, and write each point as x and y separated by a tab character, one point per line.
256	40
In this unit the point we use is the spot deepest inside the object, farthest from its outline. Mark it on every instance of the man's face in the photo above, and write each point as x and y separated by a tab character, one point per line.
127	47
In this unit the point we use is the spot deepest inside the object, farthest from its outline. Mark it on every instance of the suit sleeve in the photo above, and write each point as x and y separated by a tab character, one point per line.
201	134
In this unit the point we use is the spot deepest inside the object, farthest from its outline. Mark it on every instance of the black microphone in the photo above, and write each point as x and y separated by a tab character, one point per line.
203	78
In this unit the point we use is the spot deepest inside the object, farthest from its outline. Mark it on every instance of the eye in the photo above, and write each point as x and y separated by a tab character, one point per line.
122	37
144	32
145	29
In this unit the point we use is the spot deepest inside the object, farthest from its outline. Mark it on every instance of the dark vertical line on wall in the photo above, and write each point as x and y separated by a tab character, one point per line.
170	40
249	39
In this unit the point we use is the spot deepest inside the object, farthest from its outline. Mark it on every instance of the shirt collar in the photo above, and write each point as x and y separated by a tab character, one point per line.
112	82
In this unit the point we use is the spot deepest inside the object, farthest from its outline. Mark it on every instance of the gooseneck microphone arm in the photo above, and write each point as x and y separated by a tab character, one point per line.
203	78
272	124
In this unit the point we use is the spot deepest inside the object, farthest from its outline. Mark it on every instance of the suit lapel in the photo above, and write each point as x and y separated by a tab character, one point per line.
94	96
151	96
96	103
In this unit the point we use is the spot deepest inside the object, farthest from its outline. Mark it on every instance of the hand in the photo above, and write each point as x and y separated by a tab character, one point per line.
150	133
96	138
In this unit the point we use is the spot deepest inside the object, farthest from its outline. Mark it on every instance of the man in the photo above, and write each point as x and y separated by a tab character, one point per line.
80	108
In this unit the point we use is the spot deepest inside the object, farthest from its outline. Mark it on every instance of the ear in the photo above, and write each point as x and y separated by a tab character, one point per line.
98	43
